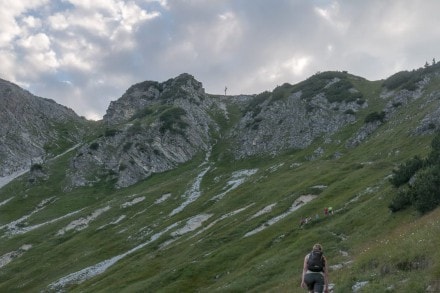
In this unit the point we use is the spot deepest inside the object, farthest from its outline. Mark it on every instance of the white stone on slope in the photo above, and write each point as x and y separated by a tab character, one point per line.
12	228
101	267
163	198
10	256
263	211
299	202
191	194
83	223
133	202
237	178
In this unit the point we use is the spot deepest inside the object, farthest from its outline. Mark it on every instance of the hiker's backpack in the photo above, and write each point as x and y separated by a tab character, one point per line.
316	261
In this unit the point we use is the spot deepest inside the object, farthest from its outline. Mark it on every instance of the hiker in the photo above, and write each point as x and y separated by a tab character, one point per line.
315	272
326	211
330	211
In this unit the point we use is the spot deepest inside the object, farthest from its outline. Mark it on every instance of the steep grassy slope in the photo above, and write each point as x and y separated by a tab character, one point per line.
221	225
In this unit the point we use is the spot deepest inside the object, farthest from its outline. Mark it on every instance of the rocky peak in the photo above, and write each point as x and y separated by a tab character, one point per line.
144	94
151	128
184	81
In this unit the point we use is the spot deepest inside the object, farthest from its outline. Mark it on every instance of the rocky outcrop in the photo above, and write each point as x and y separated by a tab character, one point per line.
149	93
32	128
152	128
291	123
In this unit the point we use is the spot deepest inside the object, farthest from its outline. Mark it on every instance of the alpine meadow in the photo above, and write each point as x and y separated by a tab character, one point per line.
179	190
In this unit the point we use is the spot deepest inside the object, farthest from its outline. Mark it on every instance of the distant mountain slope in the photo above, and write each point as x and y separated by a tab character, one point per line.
33	128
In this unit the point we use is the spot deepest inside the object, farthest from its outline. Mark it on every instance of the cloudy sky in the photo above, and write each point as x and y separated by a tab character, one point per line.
86	53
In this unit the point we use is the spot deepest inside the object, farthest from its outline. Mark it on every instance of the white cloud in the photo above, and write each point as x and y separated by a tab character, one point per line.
103	17
296	65
58	21
272	74
9	28
93	5
38	56
32	22
226	32
41	62
8	63
162	3
38	42
331	14
72	60
130	15
11	10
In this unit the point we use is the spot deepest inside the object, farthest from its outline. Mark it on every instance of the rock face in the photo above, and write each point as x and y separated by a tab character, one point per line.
31	128
292	123
150	129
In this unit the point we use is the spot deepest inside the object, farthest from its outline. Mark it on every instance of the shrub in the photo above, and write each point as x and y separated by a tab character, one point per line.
424	193
281	92
404	80
360	101
36	167
434	156
400	201
172	120
396	80
135	128
426	190
110	132
375	116
127	146
255	104
142	113
94	146
405	171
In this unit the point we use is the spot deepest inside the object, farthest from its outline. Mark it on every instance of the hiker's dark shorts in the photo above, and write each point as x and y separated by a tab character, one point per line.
314	282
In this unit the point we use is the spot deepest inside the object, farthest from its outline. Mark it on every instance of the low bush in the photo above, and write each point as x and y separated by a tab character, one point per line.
94	146
172	120
405	171
36	167
424	192
109	132
375	116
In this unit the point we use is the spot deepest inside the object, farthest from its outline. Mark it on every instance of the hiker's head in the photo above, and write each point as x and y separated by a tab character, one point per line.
317	247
